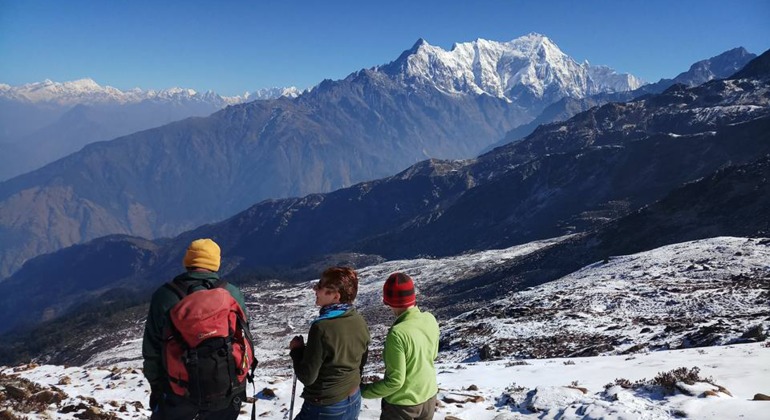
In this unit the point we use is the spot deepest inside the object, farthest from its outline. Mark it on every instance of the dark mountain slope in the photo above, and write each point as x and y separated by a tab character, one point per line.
734	201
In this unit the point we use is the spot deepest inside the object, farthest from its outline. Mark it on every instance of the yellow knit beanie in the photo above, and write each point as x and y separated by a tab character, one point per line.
202	253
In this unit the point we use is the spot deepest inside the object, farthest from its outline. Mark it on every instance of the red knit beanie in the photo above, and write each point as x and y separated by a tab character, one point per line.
398	291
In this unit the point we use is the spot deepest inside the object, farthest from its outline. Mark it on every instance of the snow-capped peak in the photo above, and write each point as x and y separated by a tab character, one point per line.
531	65
87	91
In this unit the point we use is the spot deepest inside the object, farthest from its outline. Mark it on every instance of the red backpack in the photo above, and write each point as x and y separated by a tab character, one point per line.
208	351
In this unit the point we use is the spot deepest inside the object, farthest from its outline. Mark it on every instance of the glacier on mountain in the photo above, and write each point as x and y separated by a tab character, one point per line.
502	69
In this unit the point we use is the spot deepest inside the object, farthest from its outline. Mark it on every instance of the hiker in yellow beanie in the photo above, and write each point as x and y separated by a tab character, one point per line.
202	253
201	261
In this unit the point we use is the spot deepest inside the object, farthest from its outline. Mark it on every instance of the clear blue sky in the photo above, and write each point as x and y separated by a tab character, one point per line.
234	46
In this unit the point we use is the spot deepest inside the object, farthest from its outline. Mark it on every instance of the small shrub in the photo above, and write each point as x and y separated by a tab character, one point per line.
668	380
513	388
665	380
624	383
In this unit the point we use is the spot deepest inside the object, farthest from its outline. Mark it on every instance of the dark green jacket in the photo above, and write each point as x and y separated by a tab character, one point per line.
331	362
158	317
411	347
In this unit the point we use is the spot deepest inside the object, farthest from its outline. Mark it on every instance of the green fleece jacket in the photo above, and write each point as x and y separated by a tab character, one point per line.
410	350
158	318
331	362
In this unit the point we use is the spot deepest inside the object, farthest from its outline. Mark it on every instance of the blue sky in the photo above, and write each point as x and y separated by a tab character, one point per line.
234	46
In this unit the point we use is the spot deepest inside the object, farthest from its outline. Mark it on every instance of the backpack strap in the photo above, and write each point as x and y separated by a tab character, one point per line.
175	287
182	290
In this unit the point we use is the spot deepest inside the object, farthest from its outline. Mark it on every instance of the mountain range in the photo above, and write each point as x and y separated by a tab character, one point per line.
717	67
44	121
429	103
689	163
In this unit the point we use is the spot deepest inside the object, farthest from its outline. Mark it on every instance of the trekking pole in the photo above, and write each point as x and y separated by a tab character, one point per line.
293	392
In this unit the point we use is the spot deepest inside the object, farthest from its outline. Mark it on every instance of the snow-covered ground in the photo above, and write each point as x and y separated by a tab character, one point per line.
541	388
633	311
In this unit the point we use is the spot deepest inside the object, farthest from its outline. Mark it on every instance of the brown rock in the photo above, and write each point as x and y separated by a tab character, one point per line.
17	393
452	418
724	390
579	388
65	380
91	413
90	400
73	408
47	397
709	393
761	397
473	388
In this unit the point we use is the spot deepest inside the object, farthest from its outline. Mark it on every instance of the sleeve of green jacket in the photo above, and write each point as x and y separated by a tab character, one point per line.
395	370
152	341
307	363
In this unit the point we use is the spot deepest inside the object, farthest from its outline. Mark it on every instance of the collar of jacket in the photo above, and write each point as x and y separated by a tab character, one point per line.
409	313
201	276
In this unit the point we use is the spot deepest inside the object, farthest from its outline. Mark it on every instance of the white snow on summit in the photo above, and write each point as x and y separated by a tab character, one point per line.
87	91
502	69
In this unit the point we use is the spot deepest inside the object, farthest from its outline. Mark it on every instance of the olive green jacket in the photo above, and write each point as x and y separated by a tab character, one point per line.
158	318
411	347
333	358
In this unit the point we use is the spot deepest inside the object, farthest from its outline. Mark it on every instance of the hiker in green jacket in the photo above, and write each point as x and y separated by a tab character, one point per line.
409	388
331	363
201	260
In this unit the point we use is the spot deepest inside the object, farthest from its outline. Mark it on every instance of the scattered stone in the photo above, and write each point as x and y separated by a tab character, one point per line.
23	368
48	397
723	390
94	413
267	393
472	388
73	408
90	400
65	380
17	393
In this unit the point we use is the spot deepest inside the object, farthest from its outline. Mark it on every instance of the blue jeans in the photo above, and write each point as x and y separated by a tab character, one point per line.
346	409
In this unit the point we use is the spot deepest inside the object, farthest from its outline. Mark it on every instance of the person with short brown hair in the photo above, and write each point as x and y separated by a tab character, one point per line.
331	363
